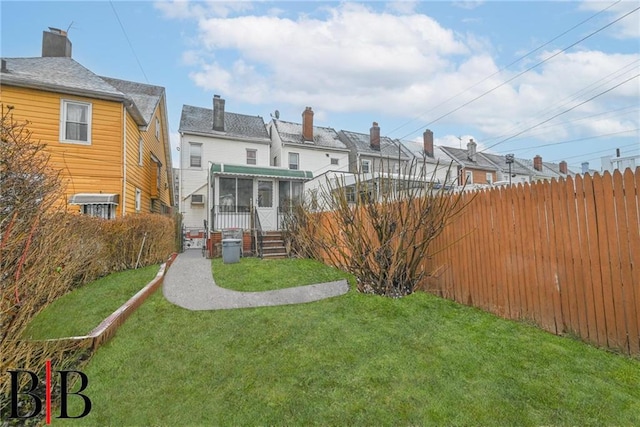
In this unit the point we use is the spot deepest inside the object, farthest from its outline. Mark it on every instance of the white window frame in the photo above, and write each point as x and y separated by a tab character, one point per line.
489	178
191	146
252	160
468	177
365	166
104	211
197	199
140	151
138	200
335	161
294	165
64	103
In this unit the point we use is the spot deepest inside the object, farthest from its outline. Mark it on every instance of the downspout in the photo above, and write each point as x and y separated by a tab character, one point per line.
124	160
209	163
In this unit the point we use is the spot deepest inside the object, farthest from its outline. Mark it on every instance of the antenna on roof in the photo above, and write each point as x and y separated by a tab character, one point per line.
460	139
69	27
275	114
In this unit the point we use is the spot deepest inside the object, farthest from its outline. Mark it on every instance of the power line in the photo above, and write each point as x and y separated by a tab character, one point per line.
594	152
574	96
505	67
572	140
128	41
525	71
562	112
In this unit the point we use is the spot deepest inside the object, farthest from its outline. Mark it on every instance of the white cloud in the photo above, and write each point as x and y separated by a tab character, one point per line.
402	6
356	59
626	28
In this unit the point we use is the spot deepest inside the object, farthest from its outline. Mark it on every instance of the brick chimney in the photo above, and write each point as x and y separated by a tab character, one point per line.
471	149
374	136
55	43
427	138
537	163
307	124
218	113
563	167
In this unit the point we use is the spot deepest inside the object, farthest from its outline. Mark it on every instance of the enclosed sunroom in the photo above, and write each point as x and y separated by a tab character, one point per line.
253	197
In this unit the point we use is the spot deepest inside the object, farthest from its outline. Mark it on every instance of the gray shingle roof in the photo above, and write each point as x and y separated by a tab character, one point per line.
291	133
200	120
360	143
462	157
550	170
501	162
56	74
146	97
417	149
65	75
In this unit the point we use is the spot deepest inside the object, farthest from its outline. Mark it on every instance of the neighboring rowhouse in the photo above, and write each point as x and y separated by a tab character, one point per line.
546	171
226	173
372	152
305	146
109	137
486	169
472	167
430	160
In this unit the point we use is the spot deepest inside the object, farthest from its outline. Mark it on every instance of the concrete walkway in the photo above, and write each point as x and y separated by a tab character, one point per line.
189	284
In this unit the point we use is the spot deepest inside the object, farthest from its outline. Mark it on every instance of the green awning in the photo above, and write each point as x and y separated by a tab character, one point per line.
268	172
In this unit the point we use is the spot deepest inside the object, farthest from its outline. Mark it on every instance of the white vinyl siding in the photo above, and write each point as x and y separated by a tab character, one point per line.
195	155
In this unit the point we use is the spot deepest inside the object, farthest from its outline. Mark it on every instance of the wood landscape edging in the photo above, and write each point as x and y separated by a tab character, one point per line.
107	328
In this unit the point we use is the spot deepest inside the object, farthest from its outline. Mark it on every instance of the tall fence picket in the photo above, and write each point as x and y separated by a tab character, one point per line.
562	254
565	255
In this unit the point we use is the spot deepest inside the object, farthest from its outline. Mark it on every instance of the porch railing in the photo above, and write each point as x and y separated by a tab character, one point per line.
257	233
231	217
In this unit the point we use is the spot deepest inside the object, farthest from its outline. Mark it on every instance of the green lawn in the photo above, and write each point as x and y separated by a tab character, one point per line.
80	311
255	274
352	360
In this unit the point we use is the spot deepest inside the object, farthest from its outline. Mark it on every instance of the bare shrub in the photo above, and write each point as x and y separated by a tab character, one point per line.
45	252
378	227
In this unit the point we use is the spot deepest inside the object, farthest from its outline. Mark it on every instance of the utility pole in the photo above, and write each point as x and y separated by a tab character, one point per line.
509	159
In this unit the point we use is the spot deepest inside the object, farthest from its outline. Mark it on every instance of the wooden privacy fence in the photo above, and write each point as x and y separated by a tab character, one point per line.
564	255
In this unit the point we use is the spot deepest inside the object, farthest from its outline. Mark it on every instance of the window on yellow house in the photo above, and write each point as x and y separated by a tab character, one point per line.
138	199
75	122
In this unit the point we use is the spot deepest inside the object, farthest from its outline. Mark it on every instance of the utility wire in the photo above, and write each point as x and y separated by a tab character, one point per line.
560	113
573	140
505	67
594	152
573	97
525	71
128	41
634	108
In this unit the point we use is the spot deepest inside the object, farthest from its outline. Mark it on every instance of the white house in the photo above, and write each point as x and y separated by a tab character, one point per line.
226	176
429	160
306	146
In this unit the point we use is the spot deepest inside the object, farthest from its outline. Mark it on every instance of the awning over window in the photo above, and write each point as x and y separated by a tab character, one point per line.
268	172
94	199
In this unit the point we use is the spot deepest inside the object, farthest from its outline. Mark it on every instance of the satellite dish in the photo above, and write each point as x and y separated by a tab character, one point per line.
277	113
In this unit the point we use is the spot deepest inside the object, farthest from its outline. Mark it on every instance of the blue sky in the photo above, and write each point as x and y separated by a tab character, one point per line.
494	71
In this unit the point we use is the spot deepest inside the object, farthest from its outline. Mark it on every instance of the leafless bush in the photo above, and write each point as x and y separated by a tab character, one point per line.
45	252
377	227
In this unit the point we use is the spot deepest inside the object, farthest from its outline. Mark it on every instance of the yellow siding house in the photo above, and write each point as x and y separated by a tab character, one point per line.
109	137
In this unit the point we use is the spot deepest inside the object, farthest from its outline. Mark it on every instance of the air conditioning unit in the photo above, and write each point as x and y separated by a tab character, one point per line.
197	199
